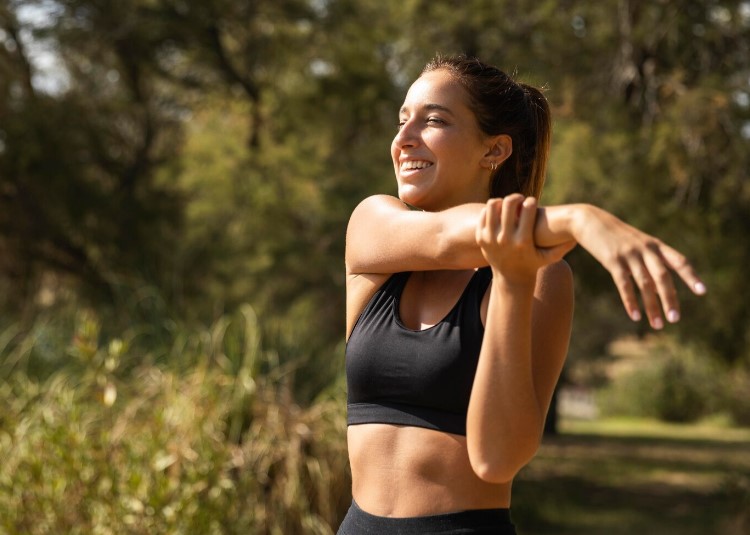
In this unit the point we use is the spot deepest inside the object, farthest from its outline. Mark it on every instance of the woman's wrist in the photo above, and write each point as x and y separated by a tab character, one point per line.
518	286
577	217
561	223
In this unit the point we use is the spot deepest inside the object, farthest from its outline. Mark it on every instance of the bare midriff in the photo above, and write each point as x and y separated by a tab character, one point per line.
401	471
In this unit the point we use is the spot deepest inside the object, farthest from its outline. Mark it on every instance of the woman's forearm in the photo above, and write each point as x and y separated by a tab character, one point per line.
515	377
504	419
555	225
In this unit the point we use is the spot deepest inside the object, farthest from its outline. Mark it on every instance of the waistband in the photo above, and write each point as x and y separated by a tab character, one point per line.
474	521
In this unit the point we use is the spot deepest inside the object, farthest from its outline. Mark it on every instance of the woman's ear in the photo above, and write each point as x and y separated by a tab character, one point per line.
499	149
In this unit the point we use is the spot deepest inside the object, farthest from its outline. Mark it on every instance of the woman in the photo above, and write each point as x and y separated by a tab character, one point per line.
459	313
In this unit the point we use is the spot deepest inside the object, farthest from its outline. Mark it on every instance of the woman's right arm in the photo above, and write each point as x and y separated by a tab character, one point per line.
386	236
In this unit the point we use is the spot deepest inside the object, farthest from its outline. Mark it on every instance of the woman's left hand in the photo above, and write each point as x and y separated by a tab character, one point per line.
505	234
637	262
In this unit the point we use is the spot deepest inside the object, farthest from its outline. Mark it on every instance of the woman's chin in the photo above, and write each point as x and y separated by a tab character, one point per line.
410	195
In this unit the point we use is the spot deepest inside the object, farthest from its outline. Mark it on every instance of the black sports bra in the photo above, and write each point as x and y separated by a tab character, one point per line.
397	375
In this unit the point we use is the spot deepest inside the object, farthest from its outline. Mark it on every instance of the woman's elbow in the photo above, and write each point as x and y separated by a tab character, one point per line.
501	467
494	473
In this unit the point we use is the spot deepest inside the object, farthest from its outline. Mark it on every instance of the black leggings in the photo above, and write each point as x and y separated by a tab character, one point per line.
476	521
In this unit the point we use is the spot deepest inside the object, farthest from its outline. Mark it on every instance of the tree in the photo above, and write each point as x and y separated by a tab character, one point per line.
209	153
78	168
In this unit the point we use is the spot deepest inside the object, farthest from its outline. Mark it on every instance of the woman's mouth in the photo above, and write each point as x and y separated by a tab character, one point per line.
413	165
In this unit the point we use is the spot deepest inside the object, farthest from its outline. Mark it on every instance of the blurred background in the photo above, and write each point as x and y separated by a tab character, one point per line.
175	182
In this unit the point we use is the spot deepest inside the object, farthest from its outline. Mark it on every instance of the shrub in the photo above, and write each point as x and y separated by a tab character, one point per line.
677	384
211	447
738	397
679	394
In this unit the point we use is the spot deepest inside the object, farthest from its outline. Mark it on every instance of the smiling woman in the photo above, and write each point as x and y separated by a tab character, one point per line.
459	304
437	134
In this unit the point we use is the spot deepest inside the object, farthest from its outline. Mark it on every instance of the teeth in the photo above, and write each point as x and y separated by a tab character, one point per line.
414	164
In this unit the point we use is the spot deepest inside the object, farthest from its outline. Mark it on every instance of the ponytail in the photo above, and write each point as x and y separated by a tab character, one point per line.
530	129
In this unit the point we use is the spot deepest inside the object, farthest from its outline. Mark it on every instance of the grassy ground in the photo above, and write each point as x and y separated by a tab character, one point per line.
640	477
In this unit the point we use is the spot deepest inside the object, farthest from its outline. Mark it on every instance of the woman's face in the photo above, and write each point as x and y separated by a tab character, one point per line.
439	154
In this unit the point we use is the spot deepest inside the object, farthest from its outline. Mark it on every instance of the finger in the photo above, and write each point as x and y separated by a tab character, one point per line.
509	217
626	289
679	263
485	233
646	285
527	220
494	215
661	276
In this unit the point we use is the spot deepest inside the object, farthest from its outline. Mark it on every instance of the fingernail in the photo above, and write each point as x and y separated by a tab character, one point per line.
657	324
635	315
673	316
699	288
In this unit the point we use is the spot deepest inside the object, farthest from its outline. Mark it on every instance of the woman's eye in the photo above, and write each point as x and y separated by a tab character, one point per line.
430	120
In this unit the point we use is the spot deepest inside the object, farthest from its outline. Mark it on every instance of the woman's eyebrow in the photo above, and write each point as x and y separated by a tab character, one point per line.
429	107
437	107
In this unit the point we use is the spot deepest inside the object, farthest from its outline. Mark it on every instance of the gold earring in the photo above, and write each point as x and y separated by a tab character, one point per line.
493	166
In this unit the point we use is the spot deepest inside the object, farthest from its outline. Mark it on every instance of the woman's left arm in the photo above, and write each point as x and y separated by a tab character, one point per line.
527	331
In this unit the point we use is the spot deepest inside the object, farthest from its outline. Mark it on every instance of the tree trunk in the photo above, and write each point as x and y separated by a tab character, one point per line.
550	423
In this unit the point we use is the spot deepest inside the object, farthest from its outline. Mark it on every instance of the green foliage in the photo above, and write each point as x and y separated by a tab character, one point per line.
679	397
737	399
214	447
674	383
211	152
198	156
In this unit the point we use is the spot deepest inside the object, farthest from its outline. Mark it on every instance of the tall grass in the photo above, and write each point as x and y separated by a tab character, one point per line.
211	444
203	436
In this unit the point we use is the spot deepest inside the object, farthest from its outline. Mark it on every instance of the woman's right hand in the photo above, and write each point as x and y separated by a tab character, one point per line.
505	235
636	260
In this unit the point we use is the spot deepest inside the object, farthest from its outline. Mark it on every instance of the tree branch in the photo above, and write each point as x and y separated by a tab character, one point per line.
9	23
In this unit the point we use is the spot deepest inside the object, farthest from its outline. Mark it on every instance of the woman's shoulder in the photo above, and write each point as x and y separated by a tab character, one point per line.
377	204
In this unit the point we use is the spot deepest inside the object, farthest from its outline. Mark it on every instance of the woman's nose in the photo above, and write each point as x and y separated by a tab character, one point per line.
406	136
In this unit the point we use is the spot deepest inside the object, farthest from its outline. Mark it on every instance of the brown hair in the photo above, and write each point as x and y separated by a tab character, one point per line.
504	106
